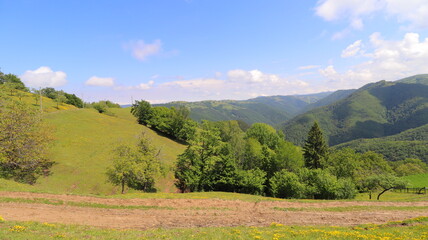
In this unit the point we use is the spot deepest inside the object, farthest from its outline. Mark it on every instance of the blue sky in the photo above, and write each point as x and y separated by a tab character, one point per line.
220	49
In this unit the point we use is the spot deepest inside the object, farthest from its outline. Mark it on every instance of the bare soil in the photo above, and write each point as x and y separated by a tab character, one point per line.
196	212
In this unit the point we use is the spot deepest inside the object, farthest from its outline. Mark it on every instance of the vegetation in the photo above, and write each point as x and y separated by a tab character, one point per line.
12	82
407	229
135	168
59	96
24	140
270	110
373	111
173	122
408	144
315	149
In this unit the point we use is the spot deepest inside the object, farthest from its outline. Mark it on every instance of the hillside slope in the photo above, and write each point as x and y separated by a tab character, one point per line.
83	147
412	143
271	110
375	110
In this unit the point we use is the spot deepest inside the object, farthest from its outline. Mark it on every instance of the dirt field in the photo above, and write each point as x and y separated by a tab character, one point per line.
195	212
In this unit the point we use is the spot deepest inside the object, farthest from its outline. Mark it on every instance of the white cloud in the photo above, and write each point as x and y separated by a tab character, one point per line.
44	77
141	50
385	60
98	81
308	67
196	84
331	10
414	12
352	50
145	86
253	76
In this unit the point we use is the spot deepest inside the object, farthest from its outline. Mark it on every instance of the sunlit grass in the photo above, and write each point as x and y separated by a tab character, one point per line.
409	229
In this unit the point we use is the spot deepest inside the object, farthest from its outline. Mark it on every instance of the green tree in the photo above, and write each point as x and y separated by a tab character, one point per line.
135	166
206	164
315	149
142	110
60	98
24	141
285	184
13	81
384	183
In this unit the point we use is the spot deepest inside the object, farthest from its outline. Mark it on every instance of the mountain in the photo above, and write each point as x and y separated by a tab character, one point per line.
420	79
334	97
373	111
411	143
271	110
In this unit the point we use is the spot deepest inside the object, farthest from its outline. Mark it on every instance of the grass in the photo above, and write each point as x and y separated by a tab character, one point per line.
78	204
84	141
418	180
48	104
409	229
354	208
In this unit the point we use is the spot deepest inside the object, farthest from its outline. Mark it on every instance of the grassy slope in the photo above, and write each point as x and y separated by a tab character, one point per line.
83	147
84	140
418	180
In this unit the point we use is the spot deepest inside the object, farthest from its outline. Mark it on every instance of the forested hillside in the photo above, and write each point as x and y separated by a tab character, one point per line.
408	144
375	110
271	110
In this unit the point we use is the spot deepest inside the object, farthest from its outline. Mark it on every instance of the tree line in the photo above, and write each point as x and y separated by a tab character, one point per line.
222	156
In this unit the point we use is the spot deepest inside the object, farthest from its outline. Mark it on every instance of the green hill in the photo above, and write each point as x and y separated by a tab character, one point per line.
421	79
83	143
375	110
271	110
334	97
83	147
411	143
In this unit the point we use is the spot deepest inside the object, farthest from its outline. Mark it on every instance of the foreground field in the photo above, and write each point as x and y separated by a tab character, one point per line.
188	213
410	229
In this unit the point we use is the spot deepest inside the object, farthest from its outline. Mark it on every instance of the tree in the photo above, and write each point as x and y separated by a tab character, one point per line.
24	140
285	184
206	164
13	81
384	183
315	149
60	98
142	111
135	166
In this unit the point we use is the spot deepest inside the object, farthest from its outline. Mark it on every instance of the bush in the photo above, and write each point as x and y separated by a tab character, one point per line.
286	184
251	181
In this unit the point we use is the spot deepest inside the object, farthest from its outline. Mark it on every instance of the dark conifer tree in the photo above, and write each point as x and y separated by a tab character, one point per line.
315	149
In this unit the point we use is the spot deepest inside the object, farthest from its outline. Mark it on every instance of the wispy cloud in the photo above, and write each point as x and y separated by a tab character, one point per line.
99	81
142	50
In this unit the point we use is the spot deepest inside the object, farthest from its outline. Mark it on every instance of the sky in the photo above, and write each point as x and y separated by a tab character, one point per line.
192	50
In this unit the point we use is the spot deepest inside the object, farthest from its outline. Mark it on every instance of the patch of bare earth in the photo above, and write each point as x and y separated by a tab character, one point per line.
196	212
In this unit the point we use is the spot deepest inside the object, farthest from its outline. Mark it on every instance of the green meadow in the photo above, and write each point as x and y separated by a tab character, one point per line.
416	228
83	144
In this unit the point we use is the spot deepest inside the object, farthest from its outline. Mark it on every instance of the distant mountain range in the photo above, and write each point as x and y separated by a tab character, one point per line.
271	110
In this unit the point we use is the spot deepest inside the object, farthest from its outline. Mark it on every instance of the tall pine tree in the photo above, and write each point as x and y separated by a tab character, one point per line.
315	148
